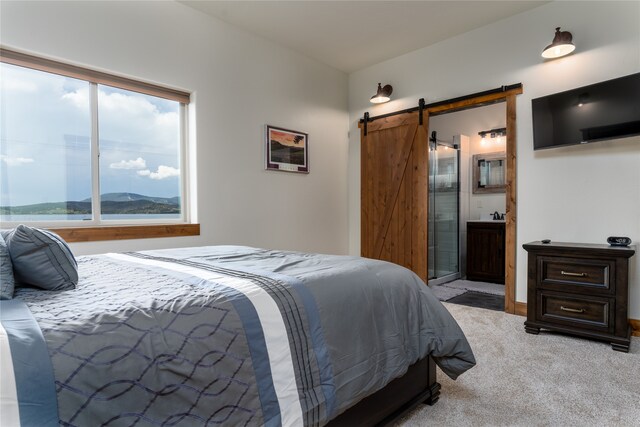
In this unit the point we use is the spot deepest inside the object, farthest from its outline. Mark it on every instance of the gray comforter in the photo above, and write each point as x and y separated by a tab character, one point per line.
231	335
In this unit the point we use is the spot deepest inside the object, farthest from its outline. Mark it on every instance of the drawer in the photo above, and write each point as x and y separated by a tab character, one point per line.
584	312
576	274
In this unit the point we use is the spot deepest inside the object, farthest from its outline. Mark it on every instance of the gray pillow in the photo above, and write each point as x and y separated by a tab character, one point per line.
6	272
41	258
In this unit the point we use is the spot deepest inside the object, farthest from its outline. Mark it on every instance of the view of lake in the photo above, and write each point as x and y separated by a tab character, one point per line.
105	217
114	206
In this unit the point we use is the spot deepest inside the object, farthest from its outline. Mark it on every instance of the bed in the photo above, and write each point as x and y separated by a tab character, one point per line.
226	335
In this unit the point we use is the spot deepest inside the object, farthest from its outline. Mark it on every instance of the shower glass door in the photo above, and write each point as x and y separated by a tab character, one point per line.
443	231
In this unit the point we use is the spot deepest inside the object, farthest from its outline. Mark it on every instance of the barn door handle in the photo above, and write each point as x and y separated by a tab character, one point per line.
568	273
572	310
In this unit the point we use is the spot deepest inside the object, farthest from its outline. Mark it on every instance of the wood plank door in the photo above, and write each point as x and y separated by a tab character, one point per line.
394	191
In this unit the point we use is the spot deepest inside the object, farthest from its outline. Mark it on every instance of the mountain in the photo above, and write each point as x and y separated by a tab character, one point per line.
130	197
111	203
139	207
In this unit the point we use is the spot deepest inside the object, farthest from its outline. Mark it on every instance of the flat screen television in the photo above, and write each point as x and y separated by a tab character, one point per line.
606	110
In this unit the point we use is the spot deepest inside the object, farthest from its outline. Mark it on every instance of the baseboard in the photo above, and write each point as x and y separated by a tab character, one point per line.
521	310
635	326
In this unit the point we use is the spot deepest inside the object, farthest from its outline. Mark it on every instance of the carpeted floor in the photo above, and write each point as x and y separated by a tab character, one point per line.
534	380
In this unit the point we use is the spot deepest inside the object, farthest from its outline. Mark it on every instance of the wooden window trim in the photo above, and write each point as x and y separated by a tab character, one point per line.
94	234
93	76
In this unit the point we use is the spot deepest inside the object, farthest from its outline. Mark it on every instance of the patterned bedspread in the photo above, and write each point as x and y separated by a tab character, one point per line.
221	335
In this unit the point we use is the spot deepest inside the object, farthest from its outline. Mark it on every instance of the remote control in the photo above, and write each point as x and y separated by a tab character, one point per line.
546	241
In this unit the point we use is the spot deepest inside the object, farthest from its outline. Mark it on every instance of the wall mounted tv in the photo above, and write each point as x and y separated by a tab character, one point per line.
606	110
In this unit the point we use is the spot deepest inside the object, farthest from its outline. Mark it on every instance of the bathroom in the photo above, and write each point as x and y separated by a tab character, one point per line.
467	204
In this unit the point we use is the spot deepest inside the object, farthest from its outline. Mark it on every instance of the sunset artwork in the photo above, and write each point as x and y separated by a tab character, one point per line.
286	150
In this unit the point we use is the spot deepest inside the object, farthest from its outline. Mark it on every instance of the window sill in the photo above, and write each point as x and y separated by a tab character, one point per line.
93	234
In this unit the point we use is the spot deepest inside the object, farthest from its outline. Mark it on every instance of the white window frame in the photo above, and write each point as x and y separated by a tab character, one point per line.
94	78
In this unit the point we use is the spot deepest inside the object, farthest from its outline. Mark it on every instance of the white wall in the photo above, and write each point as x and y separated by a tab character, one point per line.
575	194
240	83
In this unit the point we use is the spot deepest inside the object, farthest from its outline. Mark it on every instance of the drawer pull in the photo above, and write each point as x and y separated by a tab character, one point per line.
572	310
568	273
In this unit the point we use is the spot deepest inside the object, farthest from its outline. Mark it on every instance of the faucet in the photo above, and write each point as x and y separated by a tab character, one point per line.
496	216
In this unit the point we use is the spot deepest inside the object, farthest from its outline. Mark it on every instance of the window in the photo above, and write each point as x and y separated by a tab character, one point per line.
83	148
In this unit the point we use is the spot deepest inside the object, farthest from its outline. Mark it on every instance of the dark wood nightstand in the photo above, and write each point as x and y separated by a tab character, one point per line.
579	289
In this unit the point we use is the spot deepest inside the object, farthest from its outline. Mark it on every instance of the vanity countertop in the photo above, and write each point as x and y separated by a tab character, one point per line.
486	220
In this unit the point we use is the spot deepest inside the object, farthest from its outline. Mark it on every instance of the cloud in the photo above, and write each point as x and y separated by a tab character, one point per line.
18	85
138	163
79	98
162	173
15	161
134	120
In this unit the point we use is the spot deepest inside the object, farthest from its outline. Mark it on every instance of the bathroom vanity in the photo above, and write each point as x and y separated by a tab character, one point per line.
486	251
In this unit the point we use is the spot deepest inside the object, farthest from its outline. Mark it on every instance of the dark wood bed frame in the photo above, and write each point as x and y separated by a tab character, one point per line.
397	398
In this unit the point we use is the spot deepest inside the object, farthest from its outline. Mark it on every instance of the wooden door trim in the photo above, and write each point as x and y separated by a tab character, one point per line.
511	196
473	102
511	243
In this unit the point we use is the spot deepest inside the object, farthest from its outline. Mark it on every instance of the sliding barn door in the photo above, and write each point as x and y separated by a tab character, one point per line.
394	191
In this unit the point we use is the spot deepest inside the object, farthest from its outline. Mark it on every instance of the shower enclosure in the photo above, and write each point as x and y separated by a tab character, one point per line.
444	206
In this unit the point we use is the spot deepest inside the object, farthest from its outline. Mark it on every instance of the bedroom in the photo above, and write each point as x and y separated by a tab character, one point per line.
239	82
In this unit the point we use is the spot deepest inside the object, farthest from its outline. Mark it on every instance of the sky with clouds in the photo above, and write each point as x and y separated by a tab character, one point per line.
45	145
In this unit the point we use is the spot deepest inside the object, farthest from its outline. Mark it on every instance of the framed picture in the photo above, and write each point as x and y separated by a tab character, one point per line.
287	150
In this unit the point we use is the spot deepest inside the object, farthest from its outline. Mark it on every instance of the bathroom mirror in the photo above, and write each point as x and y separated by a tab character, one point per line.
489	173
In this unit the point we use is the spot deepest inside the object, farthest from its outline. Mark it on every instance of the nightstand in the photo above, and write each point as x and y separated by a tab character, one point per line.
579	289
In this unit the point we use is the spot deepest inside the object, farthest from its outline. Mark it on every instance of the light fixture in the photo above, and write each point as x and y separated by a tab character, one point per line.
560	46
382	95
582	99
493	133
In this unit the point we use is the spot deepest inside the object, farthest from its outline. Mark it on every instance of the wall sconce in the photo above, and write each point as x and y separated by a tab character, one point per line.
583	99
493	133
382	95
560	46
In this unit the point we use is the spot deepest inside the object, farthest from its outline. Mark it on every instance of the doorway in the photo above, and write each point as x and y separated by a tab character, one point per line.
467	219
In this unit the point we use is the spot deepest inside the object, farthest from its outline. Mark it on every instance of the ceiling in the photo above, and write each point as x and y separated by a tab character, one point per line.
351	35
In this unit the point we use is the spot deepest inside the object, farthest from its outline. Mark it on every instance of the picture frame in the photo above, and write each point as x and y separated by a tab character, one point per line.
286	150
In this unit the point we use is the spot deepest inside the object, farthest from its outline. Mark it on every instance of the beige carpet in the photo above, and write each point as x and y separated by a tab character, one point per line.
534	380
